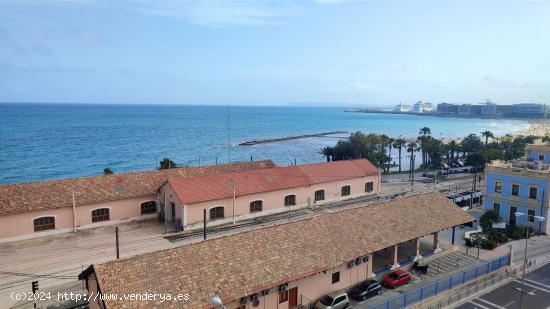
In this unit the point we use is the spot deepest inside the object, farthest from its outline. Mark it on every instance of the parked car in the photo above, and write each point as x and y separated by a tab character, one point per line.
396	278
336	300
365	289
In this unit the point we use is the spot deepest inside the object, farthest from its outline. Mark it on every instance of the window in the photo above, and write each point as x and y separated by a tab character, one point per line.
335	277
531	215
498	186
149	207
44	223
541	157
101	214
283	296
496	207
256	206
319	195
533	193
216	213
369	187
339	300
515	190
346	190
290	200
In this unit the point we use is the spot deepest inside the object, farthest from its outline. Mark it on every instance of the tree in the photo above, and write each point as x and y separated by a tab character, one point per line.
166	163
399	143
107	171
424	135
487	134
452	147
411	148
470	144
476	160
488	218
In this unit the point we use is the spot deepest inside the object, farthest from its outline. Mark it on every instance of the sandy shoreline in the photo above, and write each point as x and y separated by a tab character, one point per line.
537	128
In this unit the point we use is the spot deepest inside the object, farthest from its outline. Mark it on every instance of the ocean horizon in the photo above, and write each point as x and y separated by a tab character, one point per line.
44	141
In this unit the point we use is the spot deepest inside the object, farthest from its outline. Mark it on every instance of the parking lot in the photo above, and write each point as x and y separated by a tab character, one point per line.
440	265
537	293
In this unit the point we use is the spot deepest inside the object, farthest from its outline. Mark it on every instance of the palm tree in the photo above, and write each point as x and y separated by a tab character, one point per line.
412	147
452	146
390	144
399	143
424	134
487	134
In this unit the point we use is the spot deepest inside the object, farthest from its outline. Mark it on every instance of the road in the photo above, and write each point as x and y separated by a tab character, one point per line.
536	296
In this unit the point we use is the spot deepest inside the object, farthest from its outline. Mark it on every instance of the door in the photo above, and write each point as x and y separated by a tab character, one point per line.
173	212
293	298
513	211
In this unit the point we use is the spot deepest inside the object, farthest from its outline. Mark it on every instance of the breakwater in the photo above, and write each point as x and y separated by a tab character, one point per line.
287	138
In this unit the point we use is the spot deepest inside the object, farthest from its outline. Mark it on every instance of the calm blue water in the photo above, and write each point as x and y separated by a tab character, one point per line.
54	141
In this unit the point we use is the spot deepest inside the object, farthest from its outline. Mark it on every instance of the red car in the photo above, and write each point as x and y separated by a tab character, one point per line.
396	278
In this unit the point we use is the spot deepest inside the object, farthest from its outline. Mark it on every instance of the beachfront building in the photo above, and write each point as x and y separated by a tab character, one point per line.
447	108
242	195
281	266
35	209
521	186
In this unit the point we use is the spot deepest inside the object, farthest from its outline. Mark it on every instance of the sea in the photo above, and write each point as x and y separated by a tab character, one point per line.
54	141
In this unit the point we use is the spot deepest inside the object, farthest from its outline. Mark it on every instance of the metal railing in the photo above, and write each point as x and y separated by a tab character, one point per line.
441	285
470	291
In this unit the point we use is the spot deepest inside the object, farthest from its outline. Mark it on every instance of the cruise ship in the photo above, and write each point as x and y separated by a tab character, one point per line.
403	108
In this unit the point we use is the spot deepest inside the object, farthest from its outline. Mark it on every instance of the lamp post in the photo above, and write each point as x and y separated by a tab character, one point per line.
539	218
217	301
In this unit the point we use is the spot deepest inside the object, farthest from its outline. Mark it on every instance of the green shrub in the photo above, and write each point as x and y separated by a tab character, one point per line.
489	244
488	218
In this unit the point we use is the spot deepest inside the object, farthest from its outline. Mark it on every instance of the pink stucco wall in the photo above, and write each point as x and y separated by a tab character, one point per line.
21	224
273	200
315	286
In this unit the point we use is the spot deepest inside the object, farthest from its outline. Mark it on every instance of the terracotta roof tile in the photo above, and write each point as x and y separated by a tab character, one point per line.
239	265
32	196
219	186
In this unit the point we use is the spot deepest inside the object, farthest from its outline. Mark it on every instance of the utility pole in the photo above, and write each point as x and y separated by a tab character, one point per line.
412	170
117	244
34	286
74	213
204	224
234	197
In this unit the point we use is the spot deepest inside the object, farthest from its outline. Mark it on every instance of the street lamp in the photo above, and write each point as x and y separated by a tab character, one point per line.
217	301
538	218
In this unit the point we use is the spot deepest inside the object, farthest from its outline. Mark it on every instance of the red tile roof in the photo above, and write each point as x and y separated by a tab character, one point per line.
33	196
240	265
219	186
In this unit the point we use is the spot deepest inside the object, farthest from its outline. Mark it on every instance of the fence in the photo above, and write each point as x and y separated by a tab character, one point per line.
441	285
470	291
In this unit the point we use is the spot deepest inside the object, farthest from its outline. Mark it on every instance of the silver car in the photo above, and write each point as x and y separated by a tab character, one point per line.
336	300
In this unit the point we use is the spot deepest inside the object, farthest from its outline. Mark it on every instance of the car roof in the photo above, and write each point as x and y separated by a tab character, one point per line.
337	294
399	272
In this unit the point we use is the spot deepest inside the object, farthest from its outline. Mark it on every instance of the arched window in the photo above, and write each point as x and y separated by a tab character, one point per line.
290	200
346	190
149	207
44	223
319	195
101	214
217	213
256	206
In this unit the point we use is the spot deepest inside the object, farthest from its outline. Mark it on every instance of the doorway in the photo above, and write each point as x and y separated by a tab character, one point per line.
513	211
293	298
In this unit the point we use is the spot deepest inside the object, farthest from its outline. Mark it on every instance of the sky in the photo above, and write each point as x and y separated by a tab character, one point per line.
332	52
